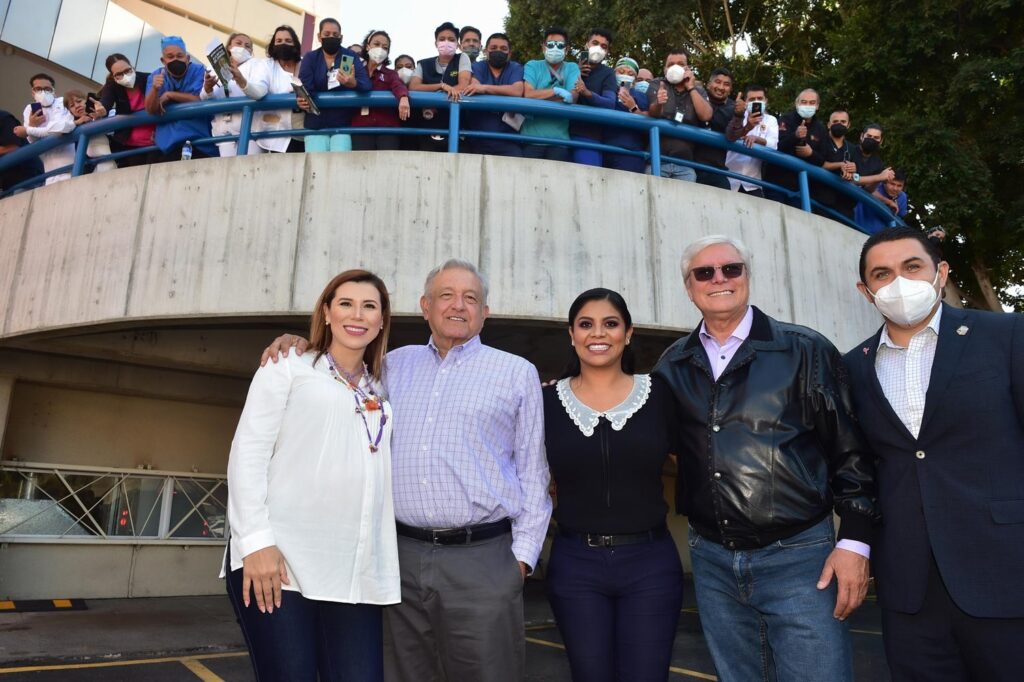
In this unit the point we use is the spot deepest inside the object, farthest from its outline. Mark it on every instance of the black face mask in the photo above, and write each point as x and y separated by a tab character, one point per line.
497	59
838	130
331	45
177	68
286	52
870	145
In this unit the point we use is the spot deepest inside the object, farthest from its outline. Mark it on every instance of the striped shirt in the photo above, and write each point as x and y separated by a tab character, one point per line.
468	441
905	373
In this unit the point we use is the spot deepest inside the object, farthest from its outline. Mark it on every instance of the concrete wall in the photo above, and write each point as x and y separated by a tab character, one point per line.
71	427
187	240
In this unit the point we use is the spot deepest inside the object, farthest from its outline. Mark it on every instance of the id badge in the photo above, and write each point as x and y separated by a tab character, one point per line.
332	79
679	117
365	111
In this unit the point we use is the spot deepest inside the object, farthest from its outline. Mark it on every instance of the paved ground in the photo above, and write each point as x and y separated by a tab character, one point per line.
182	639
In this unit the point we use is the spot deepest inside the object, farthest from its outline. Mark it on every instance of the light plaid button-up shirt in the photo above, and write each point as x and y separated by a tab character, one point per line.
468	441
905	373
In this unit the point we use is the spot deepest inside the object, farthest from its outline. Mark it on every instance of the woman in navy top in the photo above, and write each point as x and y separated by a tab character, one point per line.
331	68
614	578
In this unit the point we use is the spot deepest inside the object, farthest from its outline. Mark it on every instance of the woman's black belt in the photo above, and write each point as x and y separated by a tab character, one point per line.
615	539
455	536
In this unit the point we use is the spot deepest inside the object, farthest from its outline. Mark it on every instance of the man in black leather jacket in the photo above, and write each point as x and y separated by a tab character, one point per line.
769	447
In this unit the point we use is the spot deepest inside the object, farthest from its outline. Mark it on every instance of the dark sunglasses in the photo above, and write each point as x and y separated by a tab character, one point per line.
555	44
706	273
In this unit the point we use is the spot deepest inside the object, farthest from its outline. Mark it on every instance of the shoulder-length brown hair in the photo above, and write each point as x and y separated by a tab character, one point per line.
320	336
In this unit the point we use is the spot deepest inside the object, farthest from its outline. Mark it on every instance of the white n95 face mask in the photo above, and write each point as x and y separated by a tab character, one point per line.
240	54
906	301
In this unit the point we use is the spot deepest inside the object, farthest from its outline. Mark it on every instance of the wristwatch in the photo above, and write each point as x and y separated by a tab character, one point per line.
634	109
856	177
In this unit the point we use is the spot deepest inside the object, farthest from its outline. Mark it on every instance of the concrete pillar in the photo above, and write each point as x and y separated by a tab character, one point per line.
6	395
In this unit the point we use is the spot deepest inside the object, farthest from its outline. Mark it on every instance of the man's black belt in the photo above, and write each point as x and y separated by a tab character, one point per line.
617	539
456	536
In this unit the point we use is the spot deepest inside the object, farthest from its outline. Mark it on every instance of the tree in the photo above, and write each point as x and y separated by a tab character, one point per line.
942	77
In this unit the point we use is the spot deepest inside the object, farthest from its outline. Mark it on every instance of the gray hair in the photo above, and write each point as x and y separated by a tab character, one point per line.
691	251
457	264
817	95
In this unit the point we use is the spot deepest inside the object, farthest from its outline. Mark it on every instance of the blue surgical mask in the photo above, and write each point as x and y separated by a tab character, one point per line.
642	86
554	55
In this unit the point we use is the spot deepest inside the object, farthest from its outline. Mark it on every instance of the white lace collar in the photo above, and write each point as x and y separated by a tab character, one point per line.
587	418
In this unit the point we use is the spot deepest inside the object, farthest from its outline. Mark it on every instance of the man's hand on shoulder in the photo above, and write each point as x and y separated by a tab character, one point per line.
851	573
281	346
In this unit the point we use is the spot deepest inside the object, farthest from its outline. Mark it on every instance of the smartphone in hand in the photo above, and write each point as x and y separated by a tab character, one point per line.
756	107
36	106
347	64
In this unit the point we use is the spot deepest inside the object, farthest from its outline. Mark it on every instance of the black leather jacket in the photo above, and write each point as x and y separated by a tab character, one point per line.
767	449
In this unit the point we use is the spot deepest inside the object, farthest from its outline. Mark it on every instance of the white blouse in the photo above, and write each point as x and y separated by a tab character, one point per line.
301	476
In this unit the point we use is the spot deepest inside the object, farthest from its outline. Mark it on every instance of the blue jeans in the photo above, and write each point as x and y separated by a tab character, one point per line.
763	616
304	638
677	172
617	608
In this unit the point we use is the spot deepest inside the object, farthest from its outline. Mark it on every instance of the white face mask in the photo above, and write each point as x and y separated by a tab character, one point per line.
596	54
906	301
378	55
44	98
126	81
405	73
675	74
240	54
806	111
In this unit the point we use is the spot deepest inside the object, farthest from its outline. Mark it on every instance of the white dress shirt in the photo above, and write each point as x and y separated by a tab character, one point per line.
748	165
59	121
301	476
230	122
905	372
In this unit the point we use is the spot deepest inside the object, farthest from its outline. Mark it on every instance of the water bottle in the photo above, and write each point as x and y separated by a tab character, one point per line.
186	150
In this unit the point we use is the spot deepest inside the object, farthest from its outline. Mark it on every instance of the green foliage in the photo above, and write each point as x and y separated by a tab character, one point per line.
943	77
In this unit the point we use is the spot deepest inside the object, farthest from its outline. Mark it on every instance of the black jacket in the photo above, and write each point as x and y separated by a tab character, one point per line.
766	451
817	138
956	491
115	96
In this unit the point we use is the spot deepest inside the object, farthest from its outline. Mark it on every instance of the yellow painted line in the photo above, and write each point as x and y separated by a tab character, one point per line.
62	603
679	671
201	671
692	673
866	632
119	664
545	626
6	605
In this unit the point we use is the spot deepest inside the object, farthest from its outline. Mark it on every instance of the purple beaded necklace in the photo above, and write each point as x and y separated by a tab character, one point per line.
365	401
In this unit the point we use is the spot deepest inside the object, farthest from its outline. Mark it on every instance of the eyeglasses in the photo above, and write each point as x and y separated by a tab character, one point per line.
555	44
42	89
122	74
707	272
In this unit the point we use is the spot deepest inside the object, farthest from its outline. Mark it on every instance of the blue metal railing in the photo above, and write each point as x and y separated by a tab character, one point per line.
655	128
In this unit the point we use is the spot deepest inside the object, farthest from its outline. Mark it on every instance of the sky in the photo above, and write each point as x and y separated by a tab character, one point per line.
411	23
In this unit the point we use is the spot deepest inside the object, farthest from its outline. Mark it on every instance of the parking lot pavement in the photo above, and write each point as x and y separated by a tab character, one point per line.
189	638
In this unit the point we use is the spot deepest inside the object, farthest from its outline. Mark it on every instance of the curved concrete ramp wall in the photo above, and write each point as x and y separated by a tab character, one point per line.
261	235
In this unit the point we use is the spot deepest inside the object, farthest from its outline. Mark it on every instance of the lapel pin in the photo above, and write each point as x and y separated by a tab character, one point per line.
866	350
962	330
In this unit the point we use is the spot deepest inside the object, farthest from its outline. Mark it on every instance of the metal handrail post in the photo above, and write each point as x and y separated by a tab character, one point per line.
81	154
244	132
805	192
453	128
655	151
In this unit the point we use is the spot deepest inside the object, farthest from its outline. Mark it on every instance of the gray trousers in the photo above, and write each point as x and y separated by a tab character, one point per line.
461	616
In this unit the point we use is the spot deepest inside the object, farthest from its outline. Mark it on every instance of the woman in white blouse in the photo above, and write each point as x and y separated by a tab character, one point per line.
313	556
244	72
276	74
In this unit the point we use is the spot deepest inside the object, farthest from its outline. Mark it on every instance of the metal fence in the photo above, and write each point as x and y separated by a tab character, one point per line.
83	504
655	129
